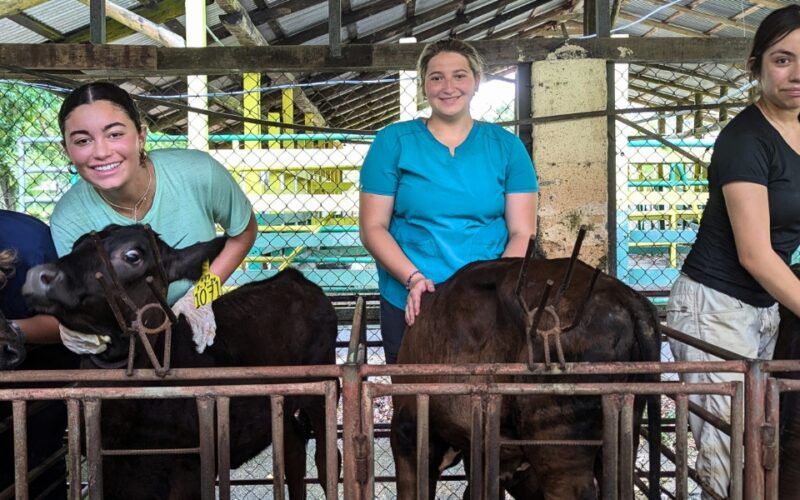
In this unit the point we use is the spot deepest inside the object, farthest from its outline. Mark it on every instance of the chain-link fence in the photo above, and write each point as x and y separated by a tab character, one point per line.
663	152
300	170
301	178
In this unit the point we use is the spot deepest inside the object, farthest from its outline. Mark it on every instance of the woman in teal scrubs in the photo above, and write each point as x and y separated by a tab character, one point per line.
442	192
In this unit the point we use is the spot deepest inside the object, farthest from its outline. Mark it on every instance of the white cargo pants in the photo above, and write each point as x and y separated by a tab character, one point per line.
722	320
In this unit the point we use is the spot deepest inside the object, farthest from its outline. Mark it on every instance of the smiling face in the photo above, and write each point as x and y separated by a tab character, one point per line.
102	142
449	85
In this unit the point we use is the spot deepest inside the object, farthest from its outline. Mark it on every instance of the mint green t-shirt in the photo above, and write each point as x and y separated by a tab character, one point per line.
193	192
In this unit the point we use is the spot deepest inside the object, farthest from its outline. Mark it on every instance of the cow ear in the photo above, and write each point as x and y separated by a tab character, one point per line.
187	263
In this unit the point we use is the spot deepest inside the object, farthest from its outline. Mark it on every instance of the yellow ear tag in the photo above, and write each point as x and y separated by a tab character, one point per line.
208	288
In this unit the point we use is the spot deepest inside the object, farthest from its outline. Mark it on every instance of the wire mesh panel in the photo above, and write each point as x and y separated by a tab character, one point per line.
294	144
669	117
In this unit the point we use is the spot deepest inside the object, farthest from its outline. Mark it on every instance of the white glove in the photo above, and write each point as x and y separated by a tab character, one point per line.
204	326
83	343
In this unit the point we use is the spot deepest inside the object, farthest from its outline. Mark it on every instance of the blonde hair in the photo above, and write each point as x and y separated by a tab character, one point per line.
7	259
461	47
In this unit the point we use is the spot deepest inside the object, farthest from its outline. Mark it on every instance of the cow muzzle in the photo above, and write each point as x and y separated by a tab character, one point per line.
45	285
12	346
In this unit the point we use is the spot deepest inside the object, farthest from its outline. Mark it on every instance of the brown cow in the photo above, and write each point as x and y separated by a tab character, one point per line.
475	317
285	320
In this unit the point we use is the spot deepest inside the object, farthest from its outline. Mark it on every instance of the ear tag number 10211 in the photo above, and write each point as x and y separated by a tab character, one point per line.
208	288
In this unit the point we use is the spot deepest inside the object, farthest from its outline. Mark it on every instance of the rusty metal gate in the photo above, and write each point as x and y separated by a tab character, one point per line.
749	425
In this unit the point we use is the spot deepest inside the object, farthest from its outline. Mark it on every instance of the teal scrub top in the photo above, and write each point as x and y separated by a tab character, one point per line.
449	210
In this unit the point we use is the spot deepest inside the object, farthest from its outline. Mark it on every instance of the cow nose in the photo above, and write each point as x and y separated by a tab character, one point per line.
11	356
47	277
41	278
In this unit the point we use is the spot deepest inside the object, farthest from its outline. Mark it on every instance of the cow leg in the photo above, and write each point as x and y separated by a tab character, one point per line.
314	413
403	438
566	475
294	457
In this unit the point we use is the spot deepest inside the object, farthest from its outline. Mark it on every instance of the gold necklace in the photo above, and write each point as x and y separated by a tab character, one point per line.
135	207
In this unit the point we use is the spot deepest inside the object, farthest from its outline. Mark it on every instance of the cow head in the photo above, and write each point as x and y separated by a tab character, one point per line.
12	346
71	288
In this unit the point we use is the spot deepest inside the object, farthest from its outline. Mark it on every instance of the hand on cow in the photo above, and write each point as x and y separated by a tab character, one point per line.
414	299
201	319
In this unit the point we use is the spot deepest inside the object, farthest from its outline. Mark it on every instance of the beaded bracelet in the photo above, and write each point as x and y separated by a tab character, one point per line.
408	281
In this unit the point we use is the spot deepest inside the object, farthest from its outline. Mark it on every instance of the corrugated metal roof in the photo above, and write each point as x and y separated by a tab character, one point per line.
11	32
62	15
382	20
67	16
298	21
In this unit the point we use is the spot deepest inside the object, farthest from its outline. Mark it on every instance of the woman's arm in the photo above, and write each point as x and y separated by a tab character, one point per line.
39	329
748	209
375	213
234	251
520	221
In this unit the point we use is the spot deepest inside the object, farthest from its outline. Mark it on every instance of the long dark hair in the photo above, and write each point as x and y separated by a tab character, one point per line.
772	30
99	91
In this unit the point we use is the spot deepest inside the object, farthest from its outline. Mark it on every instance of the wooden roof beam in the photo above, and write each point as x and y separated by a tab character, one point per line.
238	23
405	26
477	28
685	88
36	26
276	11
157	14
11	7
661	95
706	16
663	26
321	28
696	74
142	25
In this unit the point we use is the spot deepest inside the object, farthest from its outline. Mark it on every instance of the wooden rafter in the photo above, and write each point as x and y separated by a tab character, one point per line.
275	11
11	7
238	23
37	27
662	26
475	27
694	73
351	17
673	84
404	27
158	13
720	20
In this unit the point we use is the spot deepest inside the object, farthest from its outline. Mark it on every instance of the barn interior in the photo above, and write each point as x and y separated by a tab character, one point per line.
617	101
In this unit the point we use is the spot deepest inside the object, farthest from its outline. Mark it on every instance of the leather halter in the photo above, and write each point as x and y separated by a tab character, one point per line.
117	297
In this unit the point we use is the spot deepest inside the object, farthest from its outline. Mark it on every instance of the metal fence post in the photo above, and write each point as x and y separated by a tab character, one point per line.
19	410
754	388
610	445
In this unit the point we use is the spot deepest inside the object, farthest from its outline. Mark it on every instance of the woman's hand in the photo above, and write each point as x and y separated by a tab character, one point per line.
418	286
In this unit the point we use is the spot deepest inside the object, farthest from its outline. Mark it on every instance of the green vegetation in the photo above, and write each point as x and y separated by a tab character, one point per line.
27	111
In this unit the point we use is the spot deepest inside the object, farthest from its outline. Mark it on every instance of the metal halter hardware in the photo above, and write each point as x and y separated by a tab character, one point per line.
552	309
116	296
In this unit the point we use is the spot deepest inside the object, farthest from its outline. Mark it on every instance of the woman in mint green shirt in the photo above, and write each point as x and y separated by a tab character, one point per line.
440	193
182	194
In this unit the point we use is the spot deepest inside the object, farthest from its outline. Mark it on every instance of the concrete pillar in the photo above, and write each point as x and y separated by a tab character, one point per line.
571	157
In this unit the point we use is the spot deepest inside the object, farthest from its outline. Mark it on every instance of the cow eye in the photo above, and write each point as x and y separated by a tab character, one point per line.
132	256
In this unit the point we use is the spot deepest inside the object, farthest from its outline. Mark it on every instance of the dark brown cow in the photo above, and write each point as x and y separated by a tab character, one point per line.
475	317
788	347
285	320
